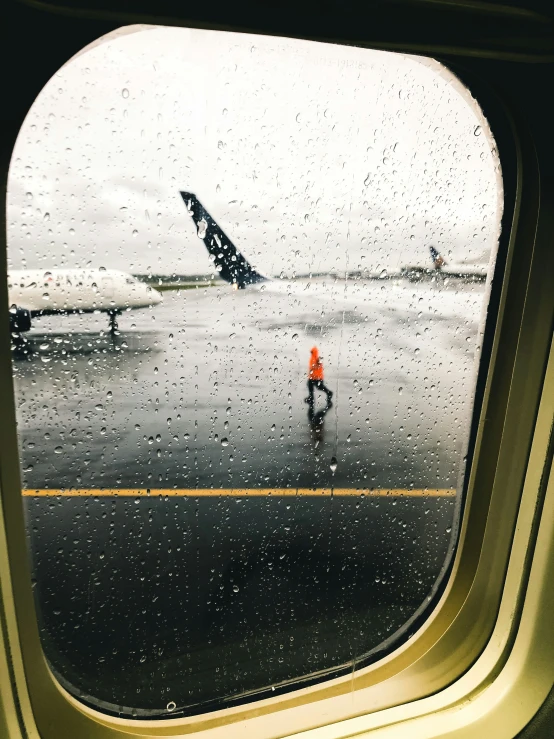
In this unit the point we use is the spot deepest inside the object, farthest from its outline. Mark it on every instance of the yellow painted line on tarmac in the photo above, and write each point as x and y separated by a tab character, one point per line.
239	492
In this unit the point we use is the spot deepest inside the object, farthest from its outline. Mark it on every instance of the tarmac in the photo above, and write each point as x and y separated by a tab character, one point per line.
195	536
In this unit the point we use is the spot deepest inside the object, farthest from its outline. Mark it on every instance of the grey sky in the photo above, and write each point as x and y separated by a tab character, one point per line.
310	156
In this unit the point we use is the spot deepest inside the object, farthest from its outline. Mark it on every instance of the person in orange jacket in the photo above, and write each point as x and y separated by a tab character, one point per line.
315	378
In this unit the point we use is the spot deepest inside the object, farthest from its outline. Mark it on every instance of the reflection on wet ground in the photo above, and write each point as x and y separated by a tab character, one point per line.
225	594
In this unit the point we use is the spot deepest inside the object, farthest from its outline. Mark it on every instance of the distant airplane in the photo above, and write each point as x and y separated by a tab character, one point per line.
60	291
234	268
475	271
463	272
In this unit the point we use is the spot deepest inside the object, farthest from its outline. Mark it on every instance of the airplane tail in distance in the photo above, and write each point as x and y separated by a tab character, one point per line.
438	261
228	260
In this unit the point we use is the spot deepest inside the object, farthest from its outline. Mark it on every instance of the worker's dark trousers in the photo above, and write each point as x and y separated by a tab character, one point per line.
320	385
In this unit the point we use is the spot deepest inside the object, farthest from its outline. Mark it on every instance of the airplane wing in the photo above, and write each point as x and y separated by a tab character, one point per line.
228	260
235	269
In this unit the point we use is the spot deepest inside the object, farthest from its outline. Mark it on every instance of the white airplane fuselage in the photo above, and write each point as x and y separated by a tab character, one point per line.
43	292
466	272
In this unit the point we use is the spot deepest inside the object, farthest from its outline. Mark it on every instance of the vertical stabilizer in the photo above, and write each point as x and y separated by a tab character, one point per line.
438	261
228	260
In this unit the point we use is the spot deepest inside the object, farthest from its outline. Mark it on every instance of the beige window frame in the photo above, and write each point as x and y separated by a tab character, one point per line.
483	662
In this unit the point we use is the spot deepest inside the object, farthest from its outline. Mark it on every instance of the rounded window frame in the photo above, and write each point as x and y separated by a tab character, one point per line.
478	546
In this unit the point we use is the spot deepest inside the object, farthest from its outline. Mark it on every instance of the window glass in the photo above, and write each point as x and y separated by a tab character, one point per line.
248	281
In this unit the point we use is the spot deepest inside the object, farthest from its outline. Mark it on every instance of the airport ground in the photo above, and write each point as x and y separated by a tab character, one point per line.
191	528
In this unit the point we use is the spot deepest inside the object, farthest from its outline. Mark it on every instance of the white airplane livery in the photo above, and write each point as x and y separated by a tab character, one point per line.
46	292
472	272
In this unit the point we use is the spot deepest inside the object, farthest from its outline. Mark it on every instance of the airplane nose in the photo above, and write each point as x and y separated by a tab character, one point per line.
154	297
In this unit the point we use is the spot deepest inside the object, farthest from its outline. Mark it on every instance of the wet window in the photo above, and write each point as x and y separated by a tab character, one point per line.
247	471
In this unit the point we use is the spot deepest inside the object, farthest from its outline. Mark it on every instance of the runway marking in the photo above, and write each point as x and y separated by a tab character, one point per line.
240	492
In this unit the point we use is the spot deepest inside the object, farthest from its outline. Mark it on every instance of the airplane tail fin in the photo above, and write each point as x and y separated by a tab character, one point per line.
228	260
438	261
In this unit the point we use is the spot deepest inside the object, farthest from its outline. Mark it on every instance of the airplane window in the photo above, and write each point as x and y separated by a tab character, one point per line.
245	472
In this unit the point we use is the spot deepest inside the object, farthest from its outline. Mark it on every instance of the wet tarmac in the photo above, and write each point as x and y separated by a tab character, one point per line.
194	534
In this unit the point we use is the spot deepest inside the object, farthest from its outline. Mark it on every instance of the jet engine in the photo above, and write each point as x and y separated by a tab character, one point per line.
20	320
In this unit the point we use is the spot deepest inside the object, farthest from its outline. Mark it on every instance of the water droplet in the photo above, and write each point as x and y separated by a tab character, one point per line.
125	93
224	441
58	450
477	131
333	464
171	706
202	228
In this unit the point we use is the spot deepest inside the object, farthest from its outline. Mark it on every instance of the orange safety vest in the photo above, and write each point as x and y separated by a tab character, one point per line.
315	369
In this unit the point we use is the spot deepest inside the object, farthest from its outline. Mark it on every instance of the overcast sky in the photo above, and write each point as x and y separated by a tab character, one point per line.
310	156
